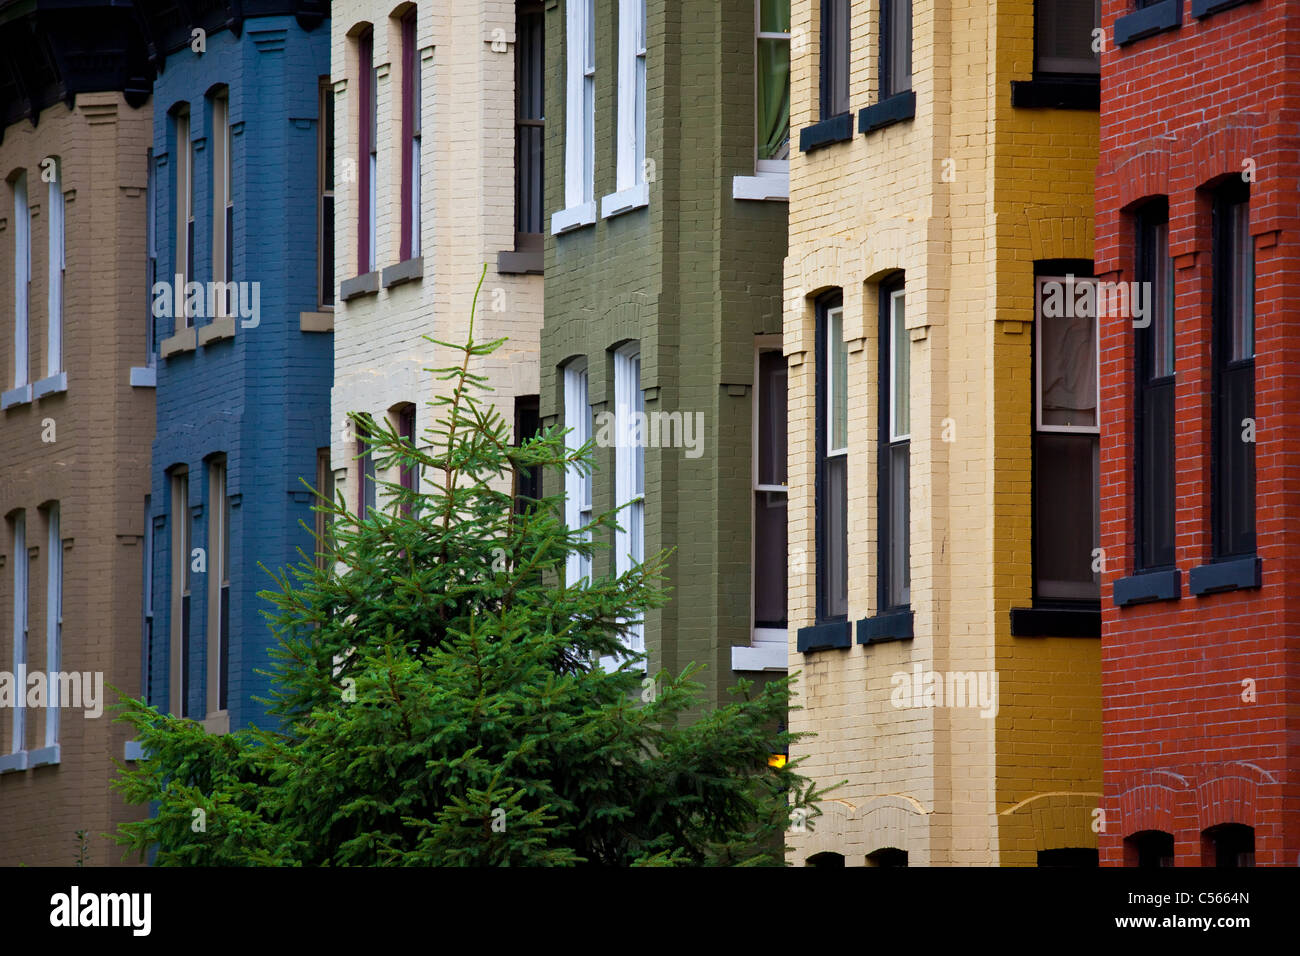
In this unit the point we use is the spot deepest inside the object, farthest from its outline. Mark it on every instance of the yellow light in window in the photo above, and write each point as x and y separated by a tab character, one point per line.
776	760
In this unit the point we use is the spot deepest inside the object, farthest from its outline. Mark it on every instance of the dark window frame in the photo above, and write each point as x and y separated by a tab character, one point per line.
886	472
530	204
410	218
1089	77
325	195
831	300
1154	405
888	24
1232	535
365	146
836	29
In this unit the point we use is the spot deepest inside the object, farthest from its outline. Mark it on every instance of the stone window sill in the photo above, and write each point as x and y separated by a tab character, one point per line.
365	284
217	723
575	217
51	385
408	270
1238	574
12	763
217	330
626	200
890	626
44	757
1203	8
821	637
765	186
144	377
1148	21
1055	622
1058	94
186	340
16	396
316	321
837	129
517	262
1148	586
896	109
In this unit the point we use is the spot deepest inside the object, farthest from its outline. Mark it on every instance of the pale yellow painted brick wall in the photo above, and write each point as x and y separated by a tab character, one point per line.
467	200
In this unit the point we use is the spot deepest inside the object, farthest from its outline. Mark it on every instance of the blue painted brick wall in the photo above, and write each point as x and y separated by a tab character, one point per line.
262	398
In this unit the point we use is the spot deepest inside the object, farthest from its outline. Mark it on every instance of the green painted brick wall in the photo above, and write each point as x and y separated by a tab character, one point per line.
694	277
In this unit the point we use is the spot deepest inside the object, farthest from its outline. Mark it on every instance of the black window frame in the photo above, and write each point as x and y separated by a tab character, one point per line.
530	210
1233	483
830	300
836	29
1154	402
1089	77
1150	849
887	477
889	18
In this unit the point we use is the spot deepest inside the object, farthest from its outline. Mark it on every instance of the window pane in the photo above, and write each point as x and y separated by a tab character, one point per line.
773	98
1066	479
836	564
770	559
839	388
774	16
1243	284
1063	36
900	46
901	369
1068	369
1162	304
900	575
771	418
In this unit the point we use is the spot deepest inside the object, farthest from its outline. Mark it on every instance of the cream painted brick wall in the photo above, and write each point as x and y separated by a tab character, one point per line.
467	196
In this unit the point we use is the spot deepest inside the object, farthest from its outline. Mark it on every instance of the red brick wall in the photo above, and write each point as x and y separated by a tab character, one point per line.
1181	750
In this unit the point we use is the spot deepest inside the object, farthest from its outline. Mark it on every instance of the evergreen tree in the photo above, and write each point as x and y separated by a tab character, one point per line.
437	699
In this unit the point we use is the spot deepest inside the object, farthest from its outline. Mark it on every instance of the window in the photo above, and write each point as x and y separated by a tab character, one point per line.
1066	442
770	493
832	461
1149	848
1063	37
22	275
772	56
1154	401
409	477
367	150
366	486
53	621
895	450
151	247
18	531
147	603
325	195
834	58
577	481
184	205
895	47
580	103
631	94
1228	846
825	859
324	487
528	424
411	110
629	471
218	576
57	265
530	125
180	593
1233	474
223	208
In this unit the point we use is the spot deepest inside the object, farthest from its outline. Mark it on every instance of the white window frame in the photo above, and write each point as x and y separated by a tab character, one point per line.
771	179
22	277
577	503
579	118
57	263
834	339
217	575
898	350
53	624
629	473
221	202
178	506
184	212
20	579
1038	356
632	190
767	650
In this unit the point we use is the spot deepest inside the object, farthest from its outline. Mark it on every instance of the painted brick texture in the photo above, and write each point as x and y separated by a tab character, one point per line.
1183	750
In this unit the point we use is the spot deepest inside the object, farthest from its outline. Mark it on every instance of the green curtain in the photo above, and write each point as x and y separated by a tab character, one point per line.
774	81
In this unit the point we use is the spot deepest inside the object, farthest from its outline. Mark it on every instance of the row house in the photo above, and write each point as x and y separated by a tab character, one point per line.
943	431
668	133
74	420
